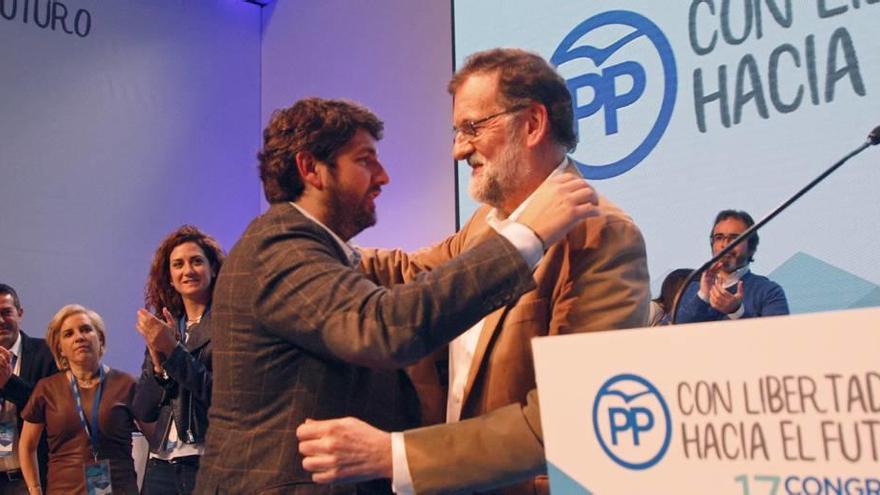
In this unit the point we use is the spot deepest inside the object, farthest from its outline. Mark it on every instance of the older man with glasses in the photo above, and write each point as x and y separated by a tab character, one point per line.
513	125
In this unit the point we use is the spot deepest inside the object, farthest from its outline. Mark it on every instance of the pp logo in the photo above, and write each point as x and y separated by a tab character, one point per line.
632	421
609	65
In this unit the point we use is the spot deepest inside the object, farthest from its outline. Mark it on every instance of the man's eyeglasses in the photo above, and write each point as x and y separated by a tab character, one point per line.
471	128
716	238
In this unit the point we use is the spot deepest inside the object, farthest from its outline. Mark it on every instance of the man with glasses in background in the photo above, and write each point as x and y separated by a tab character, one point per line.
728	290
513	124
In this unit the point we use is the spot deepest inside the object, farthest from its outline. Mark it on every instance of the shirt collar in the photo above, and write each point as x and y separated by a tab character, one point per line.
736	276
350	250
494	217
16	347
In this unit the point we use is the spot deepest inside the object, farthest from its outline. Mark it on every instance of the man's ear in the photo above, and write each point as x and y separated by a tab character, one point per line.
537	123
307	166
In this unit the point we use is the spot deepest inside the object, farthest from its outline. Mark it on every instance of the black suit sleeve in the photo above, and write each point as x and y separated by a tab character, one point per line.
18	391
149	394
41	364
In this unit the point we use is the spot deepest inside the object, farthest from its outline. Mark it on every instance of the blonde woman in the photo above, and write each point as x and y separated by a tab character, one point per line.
84	409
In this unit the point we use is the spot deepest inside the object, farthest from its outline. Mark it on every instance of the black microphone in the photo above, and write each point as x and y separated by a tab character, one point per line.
873	139
874	136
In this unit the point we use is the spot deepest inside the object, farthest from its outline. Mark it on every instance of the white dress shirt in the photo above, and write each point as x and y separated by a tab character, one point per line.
462	349
9	413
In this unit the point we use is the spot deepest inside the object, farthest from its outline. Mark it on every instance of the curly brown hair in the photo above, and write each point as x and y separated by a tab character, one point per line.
524	78
158	292
318	126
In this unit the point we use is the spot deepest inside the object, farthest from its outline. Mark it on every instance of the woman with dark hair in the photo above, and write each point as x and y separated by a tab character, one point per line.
660	307
174	388
85	411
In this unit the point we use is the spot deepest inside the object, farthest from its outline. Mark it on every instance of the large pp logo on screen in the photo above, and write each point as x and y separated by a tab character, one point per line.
618	82
632	421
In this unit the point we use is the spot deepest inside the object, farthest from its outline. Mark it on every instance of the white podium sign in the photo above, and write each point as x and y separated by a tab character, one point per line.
771	406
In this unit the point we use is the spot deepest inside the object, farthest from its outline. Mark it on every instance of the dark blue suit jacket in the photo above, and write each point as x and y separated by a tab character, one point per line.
36	363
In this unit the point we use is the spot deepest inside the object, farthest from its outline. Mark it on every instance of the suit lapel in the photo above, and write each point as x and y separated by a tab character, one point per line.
198	336
491	323
26	357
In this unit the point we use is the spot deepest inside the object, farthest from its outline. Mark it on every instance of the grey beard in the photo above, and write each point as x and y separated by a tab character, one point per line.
491	193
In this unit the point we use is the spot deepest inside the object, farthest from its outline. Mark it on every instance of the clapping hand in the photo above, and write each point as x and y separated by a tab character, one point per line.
160	336
712	286
5	366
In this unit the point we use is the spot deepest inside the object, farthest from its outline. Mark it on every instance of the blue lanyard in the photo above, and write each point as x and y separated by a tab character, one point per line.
181	329
91	430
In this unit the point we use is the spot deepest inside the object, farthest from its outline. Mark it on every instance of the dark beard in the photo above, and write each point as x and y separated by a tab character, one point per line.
733	263
349	220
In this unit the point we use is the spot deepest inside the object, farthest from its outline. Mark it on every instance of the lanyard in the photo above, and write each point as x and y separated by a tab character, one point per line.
181	329
90	429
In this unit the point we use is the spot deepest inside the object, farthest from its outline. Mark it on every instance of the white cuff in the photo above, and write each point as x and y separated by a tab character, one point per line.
401	481
702	296
738	313
525	241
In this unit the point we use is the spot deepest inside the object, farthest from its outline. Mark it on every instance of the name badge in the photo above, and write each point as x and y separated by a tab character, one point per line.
98	478
7	438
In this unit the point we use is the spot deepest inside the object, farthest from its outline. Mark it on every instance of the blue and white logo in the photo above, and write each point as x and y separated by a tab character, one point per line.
609	63
632	421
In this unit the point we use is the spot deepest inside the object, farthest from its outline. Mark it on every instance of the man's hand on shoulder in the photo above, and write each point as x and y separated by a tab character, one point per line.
558	205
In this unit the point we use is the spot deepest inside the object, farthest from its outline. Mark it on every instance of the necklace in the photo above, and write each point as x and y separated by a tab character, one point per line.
86	382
